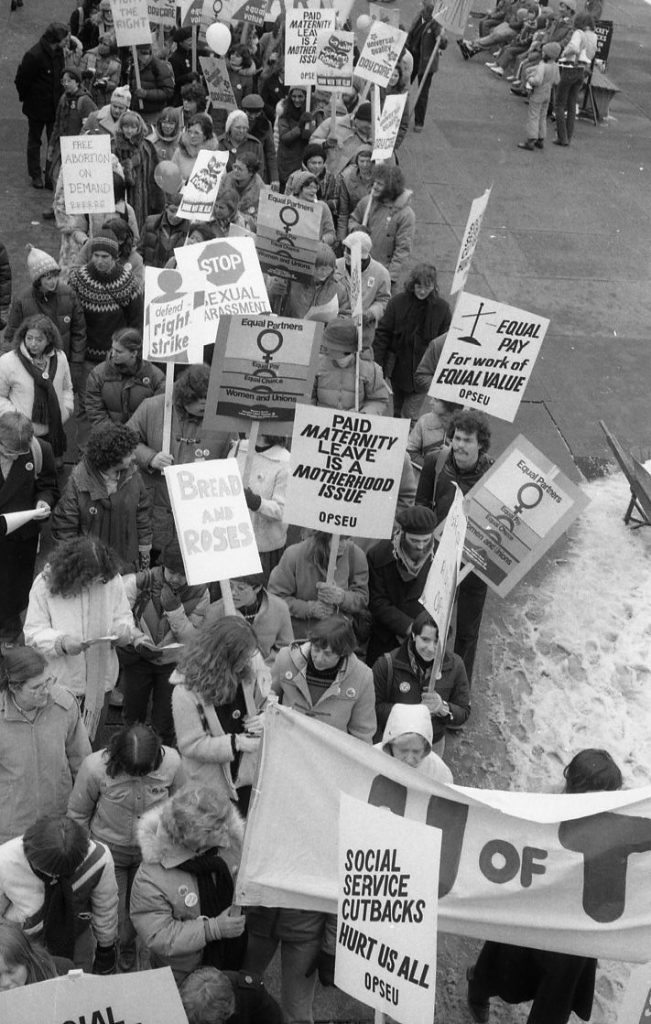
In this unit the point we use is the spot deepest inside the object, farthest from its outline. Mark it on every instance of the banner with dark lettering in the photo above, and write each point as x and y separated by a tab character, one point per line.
345	471
199	193
302	28
287	236
173	316
87	174
380	54
555	871
131	22
162	12
220	90
488	356
212	520
261	368
515	512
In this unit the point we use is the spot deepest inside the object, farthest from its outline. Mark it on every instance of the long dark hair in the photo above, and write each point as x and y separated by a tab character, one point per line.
17	950
134	750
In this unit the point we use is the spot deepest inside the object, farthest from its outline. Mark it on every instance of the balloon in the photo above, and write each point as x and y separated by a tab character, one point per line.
363	22
218	37
167	176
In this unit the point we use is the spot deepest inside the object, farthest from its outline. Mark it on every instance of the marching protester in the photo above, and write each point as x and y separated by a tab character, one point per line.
116	387
267	614
386	214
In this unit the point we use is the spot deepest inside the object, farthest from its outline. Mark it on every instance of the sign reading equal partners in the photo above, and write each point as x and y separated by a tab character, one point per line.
345	471
261	369
488	356
287	236
386	946
515	513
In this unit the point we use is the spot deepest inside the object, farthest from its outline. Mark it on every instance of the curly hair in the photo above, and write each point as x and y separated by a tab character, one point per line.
218	658
192	385
18	950
392	180
108	443
207	996
472	422
592	770
194	814
205	123
195	93
423	274
134	750
120	228
41	323
76	563
250	161
244	52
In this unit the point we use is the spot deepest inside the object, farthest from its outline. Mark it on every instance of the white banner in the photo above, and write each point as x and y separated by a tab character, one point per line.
345	471
215	74
469	241
388	126
380	54
441	584
387	960
200	191
212	520
87	174
131	22
302	29
334	61
228	271
488	356
173	315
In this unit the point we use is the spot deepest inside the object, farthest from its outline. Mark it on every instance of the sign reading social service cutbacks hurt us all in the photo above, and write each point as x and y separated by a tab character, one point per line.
87	174
200	191
261	368
515	512
228	271
172	312
131	22
469	241
386	945
212	520
388	126
302	29
380	54
334	62
488	356
220	90
345	471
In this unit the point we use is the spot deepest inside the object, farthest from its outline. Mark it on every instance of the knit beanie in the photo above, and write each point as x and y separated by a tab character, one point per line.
341	333
253	102
234	117
105	241
312	149
55	845
363	113
299	180
122	92
73	73
39	263
552	50
417	519
362	238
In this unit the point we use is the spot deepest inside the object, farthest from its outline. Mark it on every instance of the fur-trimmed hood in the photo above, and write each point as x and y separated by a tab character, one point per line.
158	848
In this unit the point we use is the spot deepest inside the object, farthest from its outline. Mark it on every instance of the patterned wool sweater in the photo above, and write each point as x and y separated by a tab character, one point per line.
109	301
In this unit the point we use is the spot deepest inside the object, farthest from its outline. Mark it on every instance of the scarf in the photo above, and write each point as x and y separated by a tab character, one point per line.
422	669
407	567
58	914
318	680
215	887
46	407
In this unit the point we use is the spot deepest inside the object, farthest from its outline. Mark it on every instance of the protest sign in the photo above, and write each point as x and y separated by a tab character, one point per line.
453	15
388	125
334	61
345	471
172	311
566	872
604	33
212	521
469	241
302	29
101	999
227	270
220	90
200	191
388	15
163	12
192	12
635	1005
386	946
87	172
287	236
252	12
260	369
638	477
441	584
131	22
380	54
515	512
488	356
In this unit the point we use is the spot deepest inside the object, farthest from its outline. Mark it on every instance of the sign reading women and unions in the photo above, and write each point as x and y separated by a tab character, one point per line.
287	236
345	471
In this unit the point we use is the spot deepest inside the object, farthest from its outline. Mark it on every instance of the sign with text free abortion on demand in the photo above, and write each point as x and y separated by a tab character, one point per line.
515	512
380	54
387	960
261	369
87	171
488	356
345	471
212	520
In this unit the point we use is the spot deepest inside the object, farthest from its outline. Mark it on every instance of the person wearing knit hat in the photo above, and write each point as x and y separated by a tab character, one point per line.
57	877
38	82
363	113
361	238
545	77
40	264
314	162
339	367
238	141
306	187
106	118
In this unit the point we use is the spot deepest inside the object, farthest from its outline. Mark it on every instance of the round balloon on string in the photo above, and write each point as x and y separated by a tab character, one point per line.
363	22
168	176
218	37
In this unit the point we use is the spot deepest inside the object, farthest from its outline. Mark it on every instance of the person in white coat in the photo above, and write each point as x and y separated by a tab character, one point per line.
408	738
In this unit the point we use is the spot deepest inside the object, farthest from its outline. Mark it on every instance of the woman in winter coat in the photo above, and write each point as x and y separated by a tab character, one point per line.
101	69
241	71
245	181
300	579
74	106
166	132
114	788
76	605
237	140
198	135
326	181
183	891
295	125
353	184
35	380
411	320
267	614
138	159
334	384
391	222
105	497
404	677
305	186
264	488
42	738
221	685
116	387
407	737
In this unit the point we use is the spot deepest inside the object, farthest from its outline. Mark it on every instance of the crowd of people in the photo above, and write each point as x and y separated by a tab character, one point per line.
119	842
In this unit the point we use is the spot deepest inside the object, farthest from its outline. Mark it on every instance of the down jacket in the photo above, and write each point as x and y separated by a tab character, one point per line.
17	388
391	225
334	385
112	396
64	310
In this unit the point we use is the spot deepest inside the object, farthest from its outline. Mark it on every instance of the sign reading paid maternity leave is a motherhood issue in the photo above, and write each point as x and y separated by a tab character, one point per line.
212	521
345	471
387	910
87	174
302	29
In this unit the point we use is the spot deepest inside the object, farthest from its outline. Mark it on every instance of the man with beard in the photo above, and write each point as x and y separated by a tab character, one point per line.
117	387
398	571
463	464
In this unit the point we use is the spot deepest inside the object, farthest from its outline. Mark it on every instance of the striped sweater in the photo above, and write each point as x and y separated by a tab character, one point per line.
109	301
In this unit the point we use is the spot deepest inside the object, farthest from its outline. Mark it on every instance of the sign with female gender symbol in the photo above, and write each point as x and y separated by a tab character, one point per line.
287	236
515	513
261	369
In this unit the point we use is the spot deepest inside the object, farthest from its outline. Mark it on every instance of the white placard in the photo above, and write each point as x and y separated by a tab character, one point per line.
345	471
131	22
380	54
173	316
386	945
163	12
302	29
488	356
200	191
441	584
212	520
228	271
469	241
388	126
87	171
334	62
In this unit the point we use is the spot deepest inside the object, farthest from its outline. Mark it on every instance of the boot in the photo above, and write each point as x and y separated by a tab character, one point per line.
529	144
540	143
